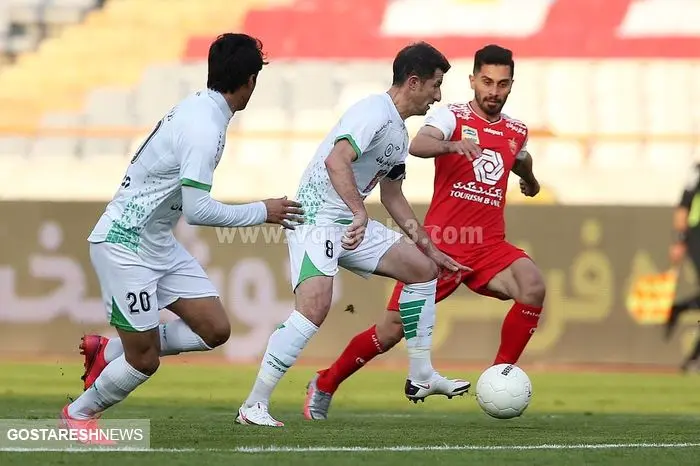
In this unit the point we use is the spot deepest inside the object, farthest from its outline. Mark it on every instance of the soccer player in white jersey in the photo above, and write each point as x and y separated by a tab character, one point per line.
367	147
141	267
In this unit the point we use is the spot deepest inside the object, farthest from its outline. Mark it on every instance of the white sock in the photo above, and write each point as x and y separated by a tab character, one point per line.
283	348
114	384
175	337
417	309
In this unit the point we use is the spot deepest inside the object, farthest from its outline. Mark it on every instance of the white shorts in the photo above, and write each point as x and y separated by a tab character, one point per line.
318	251
134	291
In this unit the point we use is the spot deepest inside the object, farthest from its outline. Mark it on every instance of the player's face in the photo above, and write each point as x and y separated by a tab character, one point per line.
425	93
492	85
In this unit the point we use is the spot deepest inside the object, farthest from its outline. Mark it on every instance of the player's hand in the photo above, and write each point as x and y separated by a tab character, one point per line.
467	148
530	189
355	232
449	268
282	212
676	253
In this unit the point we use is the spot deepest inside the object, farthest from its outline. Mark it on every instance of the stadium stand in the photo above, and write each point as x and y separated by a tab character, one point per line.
601	102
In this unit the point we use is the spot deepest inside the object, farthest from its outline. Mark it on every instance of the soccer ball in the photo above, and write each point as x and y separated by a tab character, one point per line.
504	391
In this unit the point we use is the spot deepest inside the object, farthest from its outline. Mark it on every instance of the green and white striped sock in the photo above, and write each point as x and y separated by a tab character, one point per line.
417	310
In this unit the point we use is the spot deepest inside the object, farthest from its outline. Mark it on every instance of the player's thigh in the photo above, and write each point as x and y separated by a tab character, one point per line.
513	274
387	253
128	287
187	291
314	253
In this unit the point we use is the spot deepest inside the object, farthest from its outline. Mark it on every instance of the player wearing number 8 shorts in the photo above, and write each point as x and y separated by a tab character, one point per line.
465	220
140	265
367	147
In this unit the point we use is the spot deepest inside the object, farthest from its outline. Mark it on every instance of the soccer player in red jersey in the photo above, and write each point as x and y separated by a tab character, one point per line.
466	221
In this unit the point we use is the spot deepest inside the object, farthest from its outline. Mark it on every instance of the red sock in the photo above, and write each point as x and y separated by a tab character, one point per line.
361	349
518	326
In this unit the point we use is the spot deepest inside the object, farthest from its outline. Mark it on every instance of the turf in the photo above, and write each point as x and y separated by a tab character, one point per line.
574	418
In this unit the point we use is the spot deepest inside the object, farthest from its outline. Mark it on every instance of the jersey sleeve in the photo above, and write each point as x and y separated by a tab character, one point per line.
197	147
443	119
361	123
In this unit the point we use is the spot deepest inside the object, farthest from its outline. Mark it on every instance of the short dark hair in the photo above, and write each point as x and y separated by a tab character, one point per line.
420	59
494	55
233	59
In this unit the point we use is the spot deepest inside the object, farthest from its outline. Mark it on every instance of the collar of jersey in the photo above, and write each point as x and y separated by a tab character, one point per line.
221	103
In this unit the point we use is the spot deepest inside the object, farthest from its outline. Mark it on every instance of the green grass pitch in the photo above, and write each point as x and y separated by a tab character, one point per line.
574	419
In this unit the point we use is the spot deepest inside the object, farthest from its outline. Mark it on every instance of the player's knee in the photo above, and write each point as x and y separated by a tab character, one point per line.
217	333
533	291
146	362
424	272
390	331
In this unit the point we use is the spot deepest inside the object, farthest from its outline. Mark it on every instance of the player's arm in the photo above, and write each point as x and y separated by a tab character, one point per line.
197	149
433	139
523	167
339	166
396	204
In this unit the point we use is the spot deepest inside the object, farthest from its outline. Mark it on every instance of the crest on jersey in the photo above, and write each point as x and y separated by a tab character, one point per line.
470	133
513	145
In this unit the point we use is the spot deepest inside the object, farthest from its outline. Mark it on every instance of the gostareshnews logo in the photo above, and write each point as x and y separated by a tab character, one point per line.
57	434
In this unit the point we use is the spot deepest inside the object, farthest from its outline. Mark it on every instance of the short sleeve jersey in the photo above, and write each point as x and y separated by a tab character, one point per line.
472	195
377	133
183	149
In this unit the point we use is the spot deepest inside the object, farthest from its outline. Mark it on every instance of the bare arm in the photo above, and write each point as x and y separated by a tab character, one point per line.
397	205
338	163
429	143
523	168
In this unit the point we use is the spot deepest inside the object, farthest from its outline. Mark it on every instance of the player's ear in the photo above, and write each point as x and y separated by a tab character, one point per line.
471	81
413	83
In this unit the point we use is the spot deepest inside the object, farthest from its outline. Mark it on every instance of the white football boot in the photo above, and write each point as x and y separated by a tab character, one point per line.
256	415
437	385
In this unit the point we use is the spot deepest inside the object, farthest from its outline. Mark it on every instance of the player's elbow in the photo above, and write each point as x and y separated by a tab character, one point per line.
417	148
191	216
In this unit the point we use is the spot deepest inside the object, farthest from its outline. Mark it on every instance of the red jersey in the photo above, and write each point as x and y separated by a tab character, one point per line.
469	198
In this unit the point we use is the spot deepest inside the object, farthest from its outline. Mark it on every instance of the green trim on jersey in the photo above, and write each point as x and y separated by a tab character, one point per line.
196	184
344	221
308	270
117	319
352	142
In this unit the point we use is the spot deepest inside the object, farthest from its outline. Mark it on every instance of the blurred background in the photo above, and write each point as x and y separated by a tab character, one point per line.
610	90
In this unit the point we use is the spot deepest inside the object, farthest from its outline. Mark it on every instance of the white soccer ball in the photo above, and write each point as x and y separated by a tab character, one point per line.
504	391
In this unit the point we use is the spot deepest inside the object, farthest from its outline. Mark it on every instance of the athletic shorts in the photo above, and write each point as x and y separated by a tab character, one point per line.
317	250
486	263
134	291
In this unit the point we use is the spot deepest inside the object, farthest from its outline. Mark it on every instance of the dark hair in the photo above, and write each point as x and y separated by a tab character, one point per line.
420	59
494	55
233	59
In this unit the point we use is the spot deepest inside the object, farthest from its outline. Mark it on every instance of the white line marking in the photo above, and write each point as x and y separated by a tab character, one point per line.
405	448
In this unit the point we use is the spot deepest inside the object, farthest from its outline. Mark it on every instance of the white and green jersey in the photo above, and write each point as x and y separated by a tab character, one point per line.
378	134
183	150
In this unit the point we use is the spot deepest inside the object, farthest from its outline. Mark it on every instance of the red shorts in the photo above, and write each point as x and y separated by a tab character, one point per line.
486	263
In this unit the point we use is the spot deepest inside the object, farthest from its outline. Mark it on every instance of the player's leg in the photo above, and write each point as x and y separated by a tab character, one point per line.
521	281
187	292
386	253
679	307
313	253
129	292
